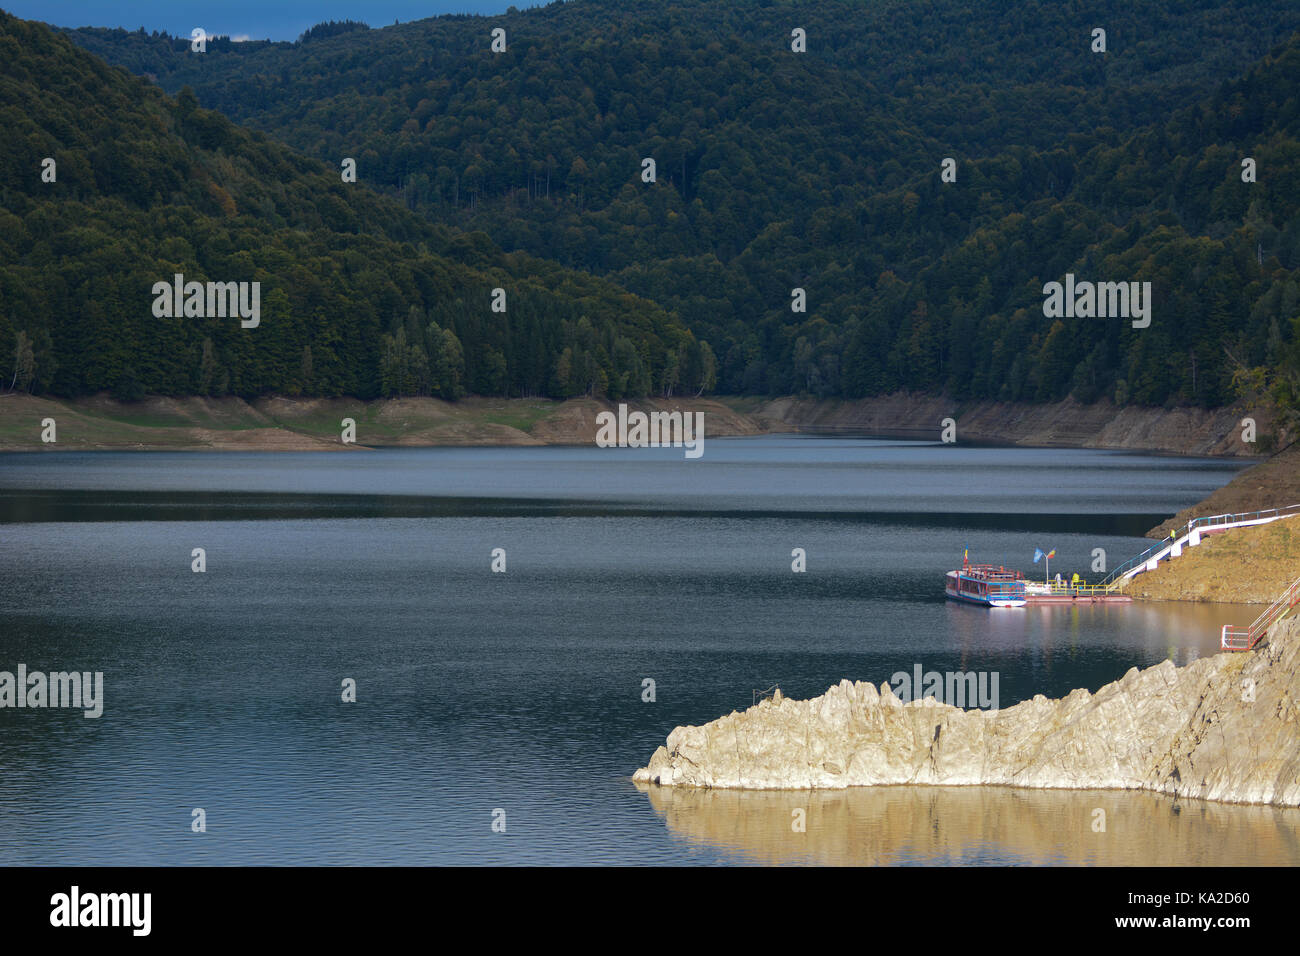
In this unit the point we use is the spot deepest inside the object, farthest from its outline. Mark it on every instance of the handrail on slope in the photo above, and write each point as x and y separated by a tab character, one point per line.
1111	580
1233	638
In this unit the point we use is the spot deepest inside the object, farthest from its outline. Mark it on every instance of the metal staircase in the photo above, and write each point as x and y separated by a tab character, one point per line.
1235	638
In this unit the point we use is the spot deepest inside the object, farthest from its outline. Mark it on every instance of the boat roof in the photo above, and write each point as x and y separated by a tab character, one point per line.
986	572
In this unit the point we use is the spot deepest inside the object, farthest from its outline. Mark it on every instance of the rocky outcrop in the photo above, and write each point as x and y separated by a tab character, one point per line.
1225	728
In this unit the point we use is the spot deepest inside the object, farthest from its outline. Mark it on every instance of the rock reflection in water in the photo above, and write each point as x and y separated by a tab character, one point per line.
889	826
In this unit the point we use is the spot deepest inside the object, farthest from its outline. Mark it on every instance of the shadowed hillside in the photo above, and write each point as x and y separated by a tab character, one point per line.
357	295
821	171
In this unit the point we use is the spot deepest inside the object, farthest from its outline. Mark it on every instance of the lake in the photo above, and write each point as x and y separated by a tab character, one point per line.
518	696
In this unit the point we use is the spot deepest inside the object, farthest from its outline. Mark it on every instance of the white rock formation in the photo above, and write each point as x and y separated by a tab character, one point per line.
1225	727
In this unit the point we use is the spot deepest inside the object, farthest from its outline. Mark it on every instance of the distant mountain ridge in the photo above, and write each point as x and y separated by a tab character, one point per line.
358	296
821	171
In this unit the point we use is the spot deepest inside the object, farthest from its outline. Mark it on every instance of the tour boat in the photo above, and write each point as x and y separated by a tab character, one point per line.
986	585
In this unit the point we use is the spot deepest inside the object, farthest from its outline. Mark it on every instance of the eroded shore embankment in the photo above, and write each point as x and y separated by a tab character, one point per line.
1225	727
295	424
1273	483
1067	424
279	423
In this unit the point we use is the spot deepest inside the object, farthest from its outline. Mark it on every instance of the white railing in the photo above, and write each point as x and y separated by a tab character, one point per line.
1207	525
1233	638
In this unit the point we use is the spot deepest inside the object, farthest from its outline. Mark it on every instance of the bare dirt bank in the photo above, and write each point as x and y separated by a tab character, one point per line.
280	423
1274	483
1067	424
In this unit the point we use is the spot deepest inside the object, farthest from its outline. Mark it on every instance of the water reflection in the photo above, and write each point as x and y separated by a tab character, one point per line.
890	826
519	690
1180	631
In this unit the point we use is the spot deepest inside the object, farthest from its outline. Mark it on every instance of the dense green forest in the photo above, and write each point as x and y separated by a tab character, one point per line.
821	170
358	296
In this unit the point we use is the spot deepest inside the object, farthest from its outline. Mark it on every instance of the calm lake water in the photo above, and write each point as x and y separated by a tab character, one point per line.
522	691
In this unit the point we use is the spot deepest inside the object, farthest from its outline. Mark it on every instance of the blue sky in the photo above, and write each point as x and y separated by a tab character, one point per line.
257	19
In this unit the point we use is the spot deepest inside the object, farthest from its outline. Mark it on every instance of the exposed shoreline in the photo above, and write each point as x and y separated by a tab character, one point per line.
280	423
1067	424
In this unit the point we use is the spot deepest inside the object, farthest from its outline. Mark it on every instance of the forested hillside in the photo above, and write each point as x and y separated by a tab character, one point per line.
358	296
821	170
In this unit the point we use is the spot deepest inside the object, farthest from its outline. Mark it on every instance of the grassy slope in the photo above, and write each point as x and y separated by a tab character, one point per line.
1245	565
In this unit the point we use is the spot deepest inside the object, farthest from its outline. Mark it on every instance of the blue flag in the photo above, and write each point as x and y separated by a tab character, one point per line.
1037	555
